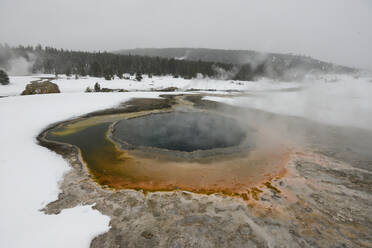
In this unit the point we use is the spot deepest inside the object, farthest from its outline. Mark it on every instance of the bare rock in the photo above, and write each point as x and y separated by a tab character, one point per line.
45	87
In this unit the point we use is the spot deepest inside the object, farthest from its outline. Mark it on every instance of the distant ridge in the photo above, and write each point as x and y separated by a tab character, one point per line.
277	62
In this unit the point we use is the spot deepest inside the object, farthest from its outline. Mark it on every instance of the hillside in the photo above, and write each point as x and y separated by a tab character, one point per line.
277	65
178	62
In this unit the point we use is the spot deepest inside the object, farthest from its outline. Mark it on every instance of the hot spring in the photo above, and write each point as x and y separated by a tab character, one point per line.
197	151
179	131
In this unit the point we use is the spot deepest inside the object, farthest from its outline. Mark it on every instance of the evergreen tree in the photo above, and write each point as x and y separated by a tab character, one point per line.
81	70
97	87
4	79
68	71
108	73
95	69
119	72
139	76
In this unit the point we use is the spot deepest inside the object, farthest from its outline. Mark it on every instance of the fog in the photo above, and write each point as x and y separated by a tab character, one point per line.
180	131
19	66
335	30
332	116
335	100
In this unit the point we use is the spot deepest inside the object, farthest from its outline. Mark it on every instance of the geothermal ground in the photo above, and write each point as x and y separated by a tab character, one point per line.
271	181
263	164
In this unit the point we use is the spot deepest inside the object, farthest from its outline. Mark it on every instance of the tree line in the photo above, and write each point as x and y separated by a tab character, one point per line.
104	64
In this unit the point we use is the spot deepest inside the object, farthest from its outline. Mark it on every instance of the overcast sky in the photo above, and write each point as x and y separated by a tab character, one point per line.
333	30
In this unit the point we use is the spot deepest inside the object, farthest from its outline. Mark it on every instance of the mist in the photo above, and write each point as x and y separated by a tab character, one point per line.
339	100
15	64
335	31
20	66
332	113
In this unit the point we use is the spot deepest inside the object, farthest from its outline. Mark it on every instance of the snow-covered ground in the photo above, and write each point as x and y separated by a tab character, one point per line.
70	84
29	173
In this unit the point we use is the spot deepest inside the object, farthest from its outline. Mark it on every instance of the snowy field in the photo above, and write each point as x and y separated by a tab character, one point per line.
70	84
30	173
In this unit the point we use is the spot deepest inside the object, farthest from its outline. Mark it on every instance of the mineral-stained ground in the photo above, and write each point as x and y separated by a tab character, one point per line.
323	200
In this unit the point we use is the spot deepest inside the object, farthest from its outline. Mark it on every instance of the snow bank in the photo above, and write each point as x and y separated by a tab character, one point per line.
346	102
156	83
70	84
16	86
29	173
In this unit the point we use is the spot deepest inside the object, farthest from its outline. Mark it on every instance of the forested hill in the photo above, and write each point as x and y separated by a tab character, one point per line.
103	64
279	64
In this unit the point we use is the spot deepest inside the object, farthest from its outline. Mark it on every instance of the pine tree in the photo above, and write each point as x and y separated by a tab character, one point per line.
97	87
68	71
108	73
139	76
4	79
95	69
119	72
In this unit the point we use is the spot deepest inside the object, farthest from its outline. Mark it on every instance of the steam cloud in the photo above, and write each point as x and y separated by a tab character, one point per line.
19	66
15	64
332	114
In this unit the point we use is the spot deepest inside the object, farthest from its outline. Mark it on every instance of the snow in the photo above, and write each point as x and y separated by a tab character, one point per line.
29	173
16	86
346	102
70	84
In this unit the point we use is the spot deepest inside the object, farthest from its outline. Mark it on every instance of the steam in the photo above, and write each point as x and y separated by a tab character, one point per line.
254	59
332	114
335	100
19	66
182	131
15	64
185	57
225	74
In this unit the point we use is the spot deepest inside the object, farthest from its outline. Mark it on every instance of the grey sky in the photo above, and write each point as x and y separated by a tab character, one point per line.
331	30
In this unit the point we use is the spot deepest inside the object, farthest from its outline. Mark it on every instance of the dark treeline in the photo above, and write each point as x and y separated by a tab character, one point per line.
107	65
277	66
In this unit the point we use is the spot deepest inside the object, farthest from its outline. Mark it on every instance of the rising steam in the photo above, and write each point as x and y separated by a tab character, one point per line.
15	64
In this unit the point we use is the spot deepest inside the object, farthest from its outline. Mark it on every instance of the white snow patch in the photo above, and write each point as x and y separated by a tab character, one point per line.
70	84
16	85
155	83
29	173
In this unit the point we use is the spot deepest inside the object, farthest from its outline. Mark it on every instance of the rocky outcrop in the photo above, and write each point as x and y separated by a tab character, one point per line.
45	87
